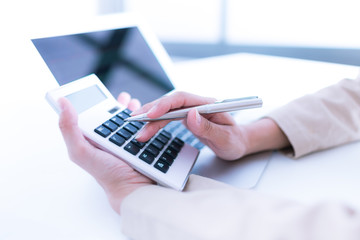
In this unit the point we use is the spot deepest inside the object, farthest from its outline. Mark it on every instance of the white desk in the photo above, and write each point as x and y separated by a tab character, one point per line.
331	174
45	196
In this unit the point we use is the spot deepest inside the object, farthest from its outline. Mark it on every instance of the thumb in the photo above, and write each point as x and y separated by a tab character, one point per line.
73	137
200	126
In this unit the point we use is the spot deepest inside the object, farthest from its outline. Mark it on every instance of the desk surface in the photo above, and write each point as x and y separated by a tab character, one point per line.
43	193
331	174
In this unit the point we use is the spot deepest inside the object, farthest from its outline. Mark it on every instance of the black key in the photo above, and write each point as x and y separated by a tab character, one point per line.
162	166
132	148
124	133
118	140
138	125
175	146
179	141
130	128
166	134
171	152
153	150
110	125
147	157
159	145
162	139
137	143
102	131
127	111
123	115
174	143
166	158
117	120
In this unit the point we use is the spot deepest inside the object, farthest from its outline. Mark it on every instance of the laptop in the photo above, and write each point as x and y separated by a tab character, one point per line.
125	55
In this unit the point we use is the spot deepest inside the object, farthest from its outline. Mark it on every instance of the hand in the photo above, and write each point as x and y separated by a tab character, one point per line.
116	177
218	131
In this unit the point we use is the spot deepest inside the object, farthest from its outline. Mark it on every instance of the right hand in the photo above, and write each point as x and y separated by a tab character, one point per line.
218	131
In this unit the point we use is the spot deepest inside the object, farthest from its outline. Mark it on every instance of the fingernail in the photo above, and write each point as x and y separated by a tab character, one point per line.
137	112
153	109
134	112
198	118
139	134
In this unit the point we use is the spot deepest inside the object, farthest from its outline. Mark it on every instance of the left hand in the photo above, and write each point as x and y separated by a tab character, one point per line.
116	177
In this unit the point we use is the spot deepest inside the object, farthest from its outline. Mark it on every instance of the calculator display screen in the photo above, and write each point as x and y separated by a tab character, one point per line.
86	98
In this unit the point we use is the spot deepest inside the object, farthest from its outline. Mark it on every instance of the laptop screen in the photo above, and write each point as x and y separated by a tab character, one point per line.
121	58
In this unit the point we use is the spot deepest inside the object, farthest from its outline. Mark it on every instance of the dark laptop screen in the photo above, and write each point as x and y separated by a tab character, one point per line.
121	58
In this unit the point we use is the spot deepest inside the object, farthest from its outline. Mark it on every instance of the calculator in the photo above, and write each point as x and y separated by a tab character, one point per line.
165	158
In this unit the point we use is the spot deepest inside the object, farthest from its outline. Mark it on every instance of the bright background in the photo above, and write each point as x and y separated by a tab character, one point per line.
44	196
323	30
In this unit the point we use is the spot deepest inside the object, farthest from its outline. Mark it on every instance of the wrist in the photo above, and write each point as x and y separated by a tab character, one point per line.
263	135
117	196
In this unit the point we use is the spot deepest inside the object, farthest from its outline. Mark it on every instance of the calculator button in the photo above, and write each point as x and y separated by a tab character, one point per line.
166	158
124	133
175	146
179	141
138	125
110	125
117	120
118	140
127	111
159	145
130	128
102	131
162	139
153	150
137	143
123	115
166	134
132	148
162	166
147	157
171	152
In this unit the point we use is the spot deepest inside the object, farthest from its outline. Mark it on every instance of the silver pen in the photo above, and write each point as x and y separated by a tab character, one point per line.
228	105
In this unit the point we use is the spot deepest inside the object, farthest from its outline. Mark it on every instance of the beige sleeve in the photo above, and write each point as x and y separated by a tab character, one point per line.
211	210
325	119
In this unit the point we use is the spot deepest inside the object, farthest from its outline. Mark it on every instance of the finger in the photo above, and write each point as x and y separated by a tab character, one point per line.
124	98
201	126
221	118
144	109
134	104
93	160
150	130
176	101
73	137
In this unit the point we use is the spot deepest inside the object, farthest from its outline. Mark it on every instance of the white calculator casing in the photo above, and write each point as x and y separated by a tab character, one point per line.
89	119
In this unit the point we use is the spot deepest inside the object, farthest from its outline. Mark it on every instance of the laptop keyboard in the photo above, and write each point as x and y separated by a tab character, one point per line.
181	132
160	151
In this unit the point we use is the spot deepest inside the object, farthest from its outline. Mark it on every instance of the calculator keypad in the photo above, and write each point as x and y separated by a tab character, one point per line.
102	131
159	149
